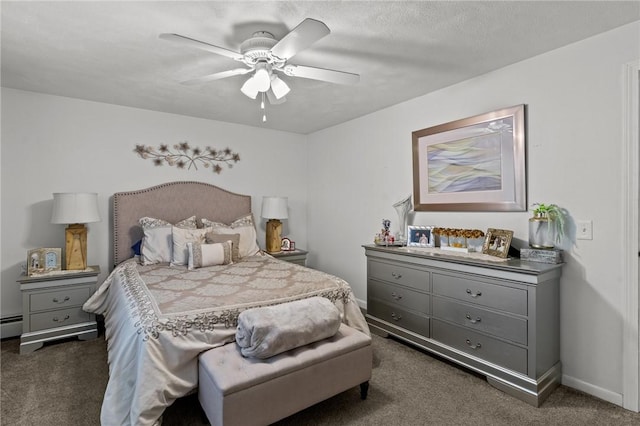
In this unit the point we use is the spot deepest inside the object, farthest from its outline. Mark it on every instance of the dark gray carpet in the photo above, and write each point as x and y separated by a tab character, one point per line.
63	384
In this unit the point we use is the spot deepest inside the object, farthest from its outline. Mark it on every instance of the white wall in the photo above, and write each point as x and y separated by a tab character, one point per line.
573	97
55	144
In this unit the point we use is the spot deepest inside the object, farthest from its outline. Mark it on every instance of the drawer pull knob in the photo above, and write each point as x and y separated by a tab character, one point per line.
473	321
396	276
396	296
472	346
474	295
66	317
396	317
66	299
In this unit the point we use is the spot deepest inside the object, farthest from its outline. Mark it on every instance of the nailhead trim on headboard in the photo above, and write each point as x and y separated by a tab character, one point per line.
172	201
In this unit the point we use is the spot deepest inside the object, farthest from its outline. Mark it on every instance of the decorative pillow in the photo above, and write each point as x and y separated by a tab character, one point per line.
181	237
201	255
157	244
212	238
245	227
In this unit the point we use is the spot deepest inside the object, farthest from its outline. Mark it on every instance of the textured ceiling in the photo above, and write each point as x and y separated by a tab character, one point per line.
110	52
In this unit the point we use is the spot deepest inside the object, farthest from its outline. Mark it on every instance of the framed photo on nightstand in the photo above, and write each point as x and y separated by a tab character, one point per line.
43	260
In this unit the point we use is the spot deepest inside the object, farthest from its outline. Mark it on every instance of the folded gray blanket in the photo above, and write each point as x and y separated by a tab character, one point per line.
270	330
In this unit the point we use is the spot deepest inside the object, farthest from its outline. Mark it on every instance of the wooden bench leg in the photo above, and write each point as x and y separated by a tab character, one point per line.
364	390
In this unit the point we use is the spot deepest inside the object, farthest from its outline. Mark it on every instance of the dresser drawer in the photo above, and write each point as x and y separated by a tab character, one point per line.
401	296
58	299
399	274
482	293
499	325
59	318
397	316
490	349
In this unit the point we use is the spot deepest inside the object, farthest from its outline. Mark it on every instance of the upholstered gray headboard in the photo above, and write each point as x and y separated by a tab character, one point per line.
172	202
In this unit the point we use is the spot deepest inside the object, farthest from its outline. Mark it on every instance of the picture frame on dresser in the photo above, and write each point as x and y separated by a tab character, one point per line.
497	242
420	236
473	164
43	260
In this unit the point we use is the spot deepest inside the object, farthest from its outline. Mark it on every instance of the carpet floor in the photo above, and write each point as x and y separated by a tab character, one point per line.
63	384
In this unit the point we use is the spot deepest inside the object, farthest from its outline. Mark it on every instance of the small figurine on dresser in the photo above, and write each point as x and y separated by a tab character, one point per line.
384	237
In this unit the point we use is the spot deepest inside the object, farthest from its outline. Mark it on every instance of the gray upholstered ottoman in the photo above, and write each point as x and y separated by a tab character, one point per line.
246	391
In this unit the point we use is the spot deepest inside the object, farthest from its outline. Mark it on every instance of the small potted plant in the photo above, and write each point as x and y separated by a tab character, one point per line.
546	227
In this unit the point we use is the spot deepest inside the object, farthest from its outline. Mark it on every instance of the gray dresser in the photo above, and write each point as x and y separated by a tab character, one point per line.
500	319
52	307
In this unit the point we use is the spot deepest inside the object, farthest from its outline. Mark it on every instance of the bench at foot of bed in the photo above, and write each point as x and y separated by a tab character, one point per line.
234	390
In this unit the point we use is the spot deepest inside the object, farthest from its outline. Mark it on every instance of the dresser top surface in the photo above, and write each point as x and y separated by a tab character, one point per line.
513	265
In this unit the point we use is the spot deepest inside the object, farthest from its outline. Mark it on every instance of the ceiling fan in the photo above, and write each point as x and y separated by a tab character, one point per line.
265	57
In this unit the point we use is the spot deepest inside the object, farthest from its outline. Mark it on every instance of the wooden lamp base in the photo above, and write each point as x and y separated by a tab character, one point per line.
76	246
274	242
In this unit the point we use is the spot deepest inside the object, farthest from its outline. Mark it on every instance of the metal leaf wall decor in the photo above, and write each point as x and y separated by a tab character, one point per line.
184	156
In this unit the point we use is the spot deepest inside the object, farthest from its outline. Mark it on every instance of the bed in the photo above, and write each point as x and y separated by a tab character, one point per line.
160	316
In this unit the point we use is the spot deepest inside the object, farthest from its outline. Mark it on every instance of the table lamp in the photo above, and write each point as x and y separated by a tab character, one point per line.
274	209
75	209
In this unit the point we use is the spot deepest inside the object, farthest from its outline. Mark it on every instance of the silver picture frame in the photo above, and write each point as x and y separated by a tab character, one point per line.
420	236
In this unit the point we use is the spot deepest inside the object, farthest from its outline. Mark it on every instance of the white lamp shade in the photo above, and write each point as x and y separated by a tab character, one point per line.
262	77
279	87
75	207
274	208
250	88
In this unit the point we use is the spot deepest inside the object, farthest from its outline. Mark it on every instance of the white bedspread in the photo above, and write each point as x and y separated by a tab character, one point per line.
158	319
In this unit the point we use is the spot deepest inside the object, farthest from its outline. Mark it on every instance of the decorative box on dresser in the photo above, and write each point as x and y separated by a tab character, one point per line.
52	307
498	318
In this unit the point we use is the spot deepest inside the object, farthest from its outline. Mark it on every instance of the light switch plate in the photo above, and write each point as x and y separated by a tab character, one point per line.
584	230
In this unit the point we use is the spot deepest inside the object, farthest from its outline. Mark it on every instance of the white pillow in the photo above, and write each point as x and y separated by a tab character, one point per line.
201	255
157	243
243	226
181	237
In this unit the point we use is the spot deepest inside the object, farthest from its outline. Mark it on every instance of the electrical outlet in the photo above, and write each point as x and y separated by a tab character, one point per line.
584	230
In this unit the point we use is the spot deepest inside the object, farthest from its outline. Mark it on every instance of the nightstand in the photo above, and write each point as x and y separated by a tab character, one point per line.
295	256
52	307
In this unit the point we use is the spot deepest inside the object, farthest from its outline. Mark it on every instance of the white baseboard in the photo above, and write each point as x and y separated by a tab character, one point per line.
10	329
598	392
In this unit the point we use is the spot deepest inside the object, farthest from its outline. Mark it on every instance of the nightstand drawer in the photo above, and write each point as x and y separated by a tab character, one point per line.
485	347
58	299
397	274
482	293
499	325
399	317
60	318
398	295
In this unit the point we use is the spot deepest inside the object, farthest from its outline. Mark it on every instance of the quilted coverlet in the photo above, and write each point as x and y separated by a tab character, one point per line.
158	319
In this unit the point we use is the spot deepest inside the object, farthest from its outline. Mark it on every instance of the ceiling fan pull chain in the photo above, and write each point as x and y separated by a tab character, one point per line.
264	109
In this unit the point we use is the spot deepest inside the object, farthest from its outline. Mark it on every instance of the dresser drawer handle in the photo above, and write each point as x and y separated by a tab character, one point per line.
396	317
66	299
473	321
396	296
66	317
474	295
476	346
396	276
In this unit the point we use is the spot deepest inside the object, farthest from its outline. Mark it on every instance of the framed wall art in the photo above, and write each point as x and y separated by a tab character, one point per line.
497	242
43	260
473	164
420	236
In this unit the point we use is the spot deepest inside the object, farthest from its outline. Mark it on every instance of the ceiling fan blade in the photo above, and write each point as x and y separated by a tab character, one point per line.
217	76
273	100
304	35
338	77
186	41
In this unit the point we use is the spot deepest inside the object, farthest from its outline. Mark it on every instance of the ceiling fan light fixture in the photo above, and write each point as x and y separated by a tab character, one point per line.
250	88
279	87
262	77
